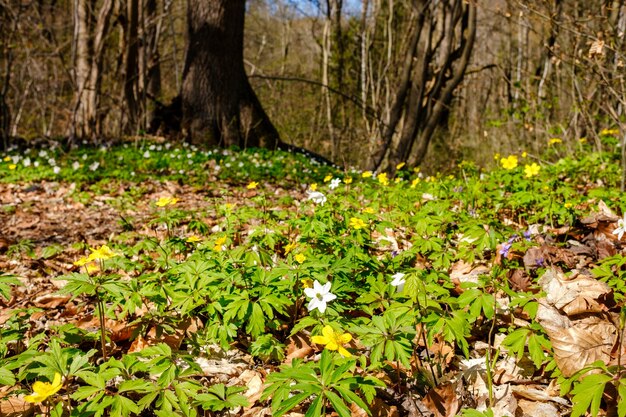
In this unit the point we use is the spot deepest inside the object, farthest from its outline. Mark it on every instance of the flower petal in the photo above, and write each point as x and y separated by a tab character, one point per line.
320	340
343	352
345	338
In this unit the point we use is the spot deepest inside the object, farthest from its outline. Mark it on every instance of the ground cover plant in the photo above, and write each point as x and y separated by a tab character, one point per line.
157	279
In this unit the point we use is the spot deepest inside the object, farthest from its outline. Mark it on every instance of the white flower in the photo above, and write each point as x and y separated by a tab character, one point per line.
43	154
75	165
428	197
320	295
398	281
56	170
334	183
317	197
94	166
621	228
26	162
146	154
52	162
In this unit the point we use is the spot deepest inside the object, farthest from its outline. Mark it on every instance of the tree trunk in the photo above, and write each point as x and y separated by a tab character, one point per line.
218	104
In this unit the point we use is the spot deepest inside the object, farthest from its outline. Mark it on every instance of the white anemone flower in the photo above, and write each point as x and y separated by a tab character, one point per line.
320	295
398	281
621	228
334	183
317	197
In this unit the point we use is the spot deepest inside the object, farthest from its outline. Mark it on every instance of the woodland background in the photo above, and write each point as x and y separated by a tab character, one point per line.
326	72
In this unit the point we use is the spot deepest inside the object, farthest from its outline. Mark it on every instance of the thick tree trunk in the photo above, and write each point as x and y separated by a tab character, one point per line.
219	106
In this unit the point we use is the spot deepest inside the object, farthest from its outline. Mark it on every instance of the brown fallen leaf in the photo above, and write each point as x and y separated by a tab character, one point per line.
588	340
15	406
298	347
442	401
520	280
576	294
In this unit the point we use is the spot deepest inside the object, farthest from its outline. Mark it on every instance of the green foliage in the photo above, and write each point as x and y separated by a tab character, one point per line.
243	275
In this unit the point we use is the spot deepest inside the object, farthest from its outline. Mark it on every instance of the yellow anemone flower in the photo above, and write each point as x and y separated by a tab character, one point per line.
531	170
382	178
166	201
252	185
367	174
368	210
333	340
43	390
554	140
193	239
328	178
357	223
313	186
509	162
347	180
400	166
300	258
102	253
219	244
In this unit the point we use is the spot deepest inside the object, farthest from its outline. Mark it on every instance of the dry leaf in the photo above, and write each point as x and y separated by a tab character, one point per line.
298	347
574	295
15	407
442	401
526	408
587	341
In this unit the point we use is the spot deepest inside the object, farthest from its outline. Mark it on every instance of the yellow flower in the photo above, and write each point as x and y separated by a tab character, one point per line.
509	162
333	340
307	282
400	165
357	223
382	178
313	186
166	201
415	182
582	140
328	178
554	140
12	167
609	132
367	174
531	170
193	239
416	169
7	158
524	154
289	247
219	244
397	180
567	205
101	254
252	185
368	210
496	156
300	258
43	390
82	261
347	180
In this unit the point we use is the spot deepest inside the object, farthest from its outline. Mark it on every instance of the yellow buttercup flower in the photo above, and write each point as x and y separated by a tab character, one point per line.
313	187
509	162
328	178
367	174
567	205
252	185
347	180
524	154
554	140
357	223
7	158
400	166
300	258
166	201
43	390
415	182
12	167
333	340
531	170
382	178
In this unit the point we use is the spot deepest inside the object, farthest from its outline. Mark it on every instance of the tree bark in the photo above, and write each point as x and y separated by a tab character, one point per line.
218	104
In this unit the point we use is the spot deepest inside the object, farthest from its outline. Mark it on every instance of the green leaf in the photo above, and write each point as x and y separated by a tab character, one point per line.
587	395
340	407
